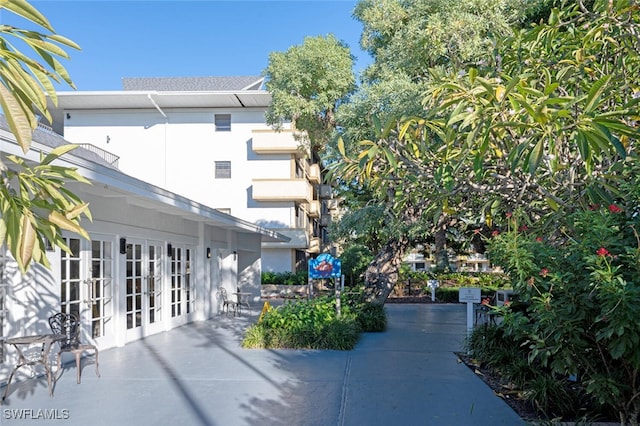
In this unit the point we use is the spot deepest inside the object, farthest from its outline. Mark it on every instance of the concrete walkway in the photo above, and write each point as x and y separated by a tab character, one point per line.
199	375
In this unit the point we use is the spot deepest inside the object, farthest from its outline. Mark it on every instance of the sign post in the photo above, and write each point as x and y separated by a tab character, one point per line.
433	284
469	295
326	266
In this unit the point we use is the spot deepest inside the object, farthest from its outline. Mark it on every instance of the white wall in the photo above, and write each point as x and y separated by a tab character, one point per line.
179	153
277	260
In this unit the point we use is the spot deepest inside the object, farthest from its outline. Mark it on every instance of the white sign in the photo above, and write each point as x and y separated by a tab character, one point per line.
469	295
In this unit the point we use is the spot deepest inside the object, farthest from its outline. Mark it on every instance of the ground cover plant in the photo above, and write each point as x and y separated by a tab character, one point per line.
315	324
575	350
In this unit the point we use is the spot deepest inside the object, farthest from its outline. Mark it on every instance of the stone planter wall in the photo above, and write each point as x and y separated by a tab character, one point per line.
282	291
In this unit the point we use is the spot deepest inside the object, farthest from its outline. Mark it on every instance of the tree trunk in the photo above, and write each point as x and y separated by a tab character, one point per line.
442	257
382	273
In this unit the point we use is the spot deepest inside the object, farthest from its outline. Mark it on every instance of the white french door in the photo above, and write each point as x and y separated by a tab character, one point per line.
143	288
182	284
86	287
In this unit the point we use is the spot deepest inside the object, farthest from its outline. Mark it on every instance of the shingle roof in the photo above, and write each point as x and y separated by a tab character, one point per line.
193	84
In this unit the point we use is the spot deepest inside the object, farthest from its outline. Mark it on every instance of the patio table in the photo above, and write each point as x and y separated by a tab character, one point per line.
23	343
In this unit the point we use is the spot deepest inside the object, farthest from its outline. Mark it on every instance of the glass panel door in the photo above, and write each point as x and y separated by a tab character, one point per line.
190	294
153	291
70	279
133	285
144	288
100	289
86	286
177	284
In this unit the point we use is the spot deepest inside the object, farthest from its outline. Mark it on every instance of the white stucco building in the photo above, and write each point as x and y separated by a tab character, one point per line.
155	259
206	139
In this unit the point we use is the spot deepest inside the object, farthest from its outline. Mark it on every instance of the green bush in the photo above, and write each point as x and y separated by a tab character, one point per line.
451	294
551	395
314	324
372	318
286	278
305	325
582	295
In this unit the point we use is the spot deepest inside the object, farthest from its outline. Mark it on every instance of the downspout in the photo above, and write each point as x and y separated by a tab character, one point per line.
166	123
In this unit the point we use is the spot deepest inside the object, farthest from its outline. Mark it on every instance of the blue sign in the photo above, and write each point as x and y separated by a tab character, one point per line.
325	266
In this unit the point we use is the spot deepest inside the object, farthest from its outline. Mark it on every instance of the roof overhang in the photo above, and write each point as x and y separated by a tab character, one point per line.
140	99
105	100
109	182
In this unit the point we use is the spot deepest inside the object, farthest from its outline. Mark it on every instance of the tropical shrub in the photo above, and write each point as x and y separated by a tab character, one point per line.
315	324
309	324
371	317
581	289
286	278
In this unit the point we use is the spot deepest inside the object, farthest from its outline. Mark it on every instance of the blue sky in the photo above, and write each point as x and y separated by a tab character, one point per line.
158	38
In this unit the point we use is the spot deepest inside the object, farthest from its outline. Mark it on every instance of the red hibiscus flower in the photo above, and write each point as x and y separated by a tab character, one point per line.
614	209
602	252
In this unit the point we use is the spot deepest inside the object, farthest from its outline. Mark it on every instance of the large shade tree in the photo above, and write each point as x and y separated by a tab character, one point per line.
307	83
547	128
408	41
34	204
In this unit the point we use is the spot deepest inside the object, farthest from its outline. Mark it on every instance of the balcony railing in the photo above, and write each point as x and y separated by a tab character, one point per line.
277	142
314	173
314	208
314	245
105	155
297	190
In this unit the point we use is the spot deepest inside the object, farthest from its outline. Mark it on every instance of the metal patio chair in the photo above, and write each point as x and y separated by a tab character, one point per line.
69	326
227	303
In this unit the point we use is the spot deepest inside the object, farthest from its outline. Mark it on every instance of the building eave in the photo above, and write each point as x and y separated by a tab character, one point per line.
110	182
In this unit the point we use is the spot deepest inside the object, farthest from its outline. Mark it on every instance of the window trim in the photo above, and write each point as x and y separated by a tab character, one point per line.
222	122
222	170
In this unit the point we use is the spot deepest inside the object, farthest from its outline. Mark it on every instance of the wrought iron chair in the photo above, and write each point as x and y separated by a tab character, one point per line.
226	303
69	326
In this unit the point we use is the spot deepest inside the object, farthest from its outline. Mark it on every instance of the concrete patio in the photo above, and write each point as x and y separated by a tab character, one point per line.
199	375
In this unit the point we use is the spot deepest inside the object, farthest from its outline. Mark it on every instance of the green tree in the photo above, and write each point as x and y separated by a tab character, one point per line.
34	203
307	82
546	131
407	40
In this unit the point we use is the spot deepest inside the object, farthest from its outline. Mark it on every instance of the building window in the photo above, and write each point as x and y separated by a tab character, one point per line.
223	122
223	169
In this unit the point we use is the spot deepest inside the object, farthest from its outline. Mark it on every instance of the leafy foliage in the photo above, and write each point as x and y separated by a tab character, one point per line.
286	278
544	126
315	324
305	325
307	82
25	81
583	298
35	205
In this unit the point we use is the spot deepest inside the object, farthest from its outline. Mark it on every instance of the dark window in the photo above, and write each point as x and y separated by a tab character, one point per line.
223	122
223	169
